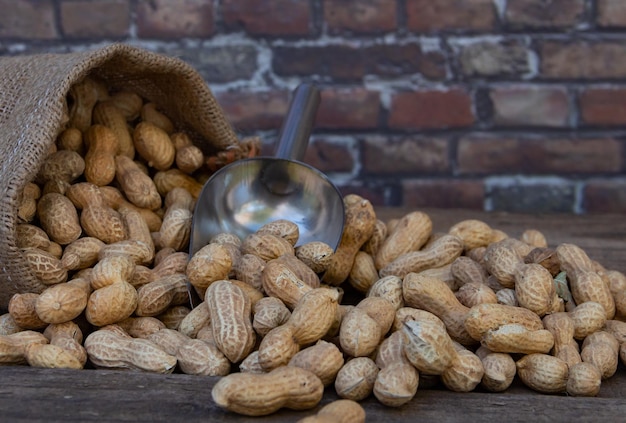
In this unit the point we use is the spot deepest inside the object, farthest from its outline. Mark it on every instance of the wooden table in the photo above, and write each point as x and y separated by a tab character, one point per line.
32	395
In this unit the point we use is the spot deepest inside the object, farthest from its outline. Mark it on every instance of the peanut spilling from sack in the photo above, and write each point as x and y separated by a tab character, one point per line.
105	227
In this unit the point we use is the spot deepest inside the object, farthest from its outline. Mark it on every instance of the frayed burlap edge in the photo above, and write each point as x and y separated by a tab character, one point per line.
33	111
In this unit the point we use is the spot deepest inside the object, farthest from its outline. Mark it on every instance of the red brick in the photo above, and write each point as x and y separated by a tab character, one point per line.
175	18
376	193
382	155
251	111
603	106
524	105
350	108
360	16
544	14
611	13
94	19
329	156
443	193
268	17
604	196
431	110
27	19
346	62
482	155
583	59
466	15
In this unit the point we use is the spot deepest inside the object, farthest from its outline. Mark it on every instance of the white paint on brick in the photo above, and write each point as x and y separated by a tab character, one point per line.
352	146
500	8
456	43
507	181
533	65
17	48
579	197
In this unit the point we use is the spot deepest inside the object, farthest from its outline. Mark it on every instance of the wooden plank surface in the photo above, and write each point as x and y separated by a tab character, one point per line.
38	395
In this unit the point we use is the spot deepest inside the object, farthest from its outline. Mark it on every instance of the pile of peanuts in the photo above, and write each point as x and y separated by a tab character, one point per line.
105	227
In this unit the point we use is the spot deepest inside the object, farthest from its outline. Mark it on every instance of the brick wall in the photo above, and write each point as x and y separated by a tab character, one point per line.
513	105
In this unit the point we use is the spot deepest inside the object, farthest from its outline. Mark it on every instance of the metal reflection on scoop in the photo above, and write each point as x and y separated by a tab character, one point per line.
247	194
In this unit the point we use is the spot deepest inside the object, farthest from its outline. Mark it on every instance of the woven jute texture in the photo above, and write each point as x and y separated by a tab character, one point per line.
33	111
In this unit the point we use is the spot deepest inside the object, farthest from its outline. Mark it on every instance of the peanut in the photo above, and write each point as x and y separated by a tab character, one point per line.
397	381
359	222
189	158
59	218
356	379
113	348
428	346
339	411
474	233
323	359
13	346
108	114
543	373
69	337
230	311
22	308
136	185
410	234
100	158
47	268
61	303
585	283
156	297
51	357
441	252
465	372
262	394
111	304
435	296
315	254
499	370
310	320
584	380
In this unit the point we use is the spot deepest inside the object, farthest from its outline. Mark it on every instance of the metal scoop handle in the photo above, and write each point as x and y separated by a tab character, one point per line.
298	124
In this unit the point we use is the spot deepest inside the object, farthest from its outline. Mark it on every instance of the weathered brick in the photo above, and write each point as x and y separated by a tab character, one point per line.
251	111
174	18
525	105
604	196
536	196
378	193
89	19
27	19
603	106
443	193
544	14
382	155
268	17
360	16
465	15
348	108
583	59
412	110
611	13
488	154
329	156
492	58
345	62
219	64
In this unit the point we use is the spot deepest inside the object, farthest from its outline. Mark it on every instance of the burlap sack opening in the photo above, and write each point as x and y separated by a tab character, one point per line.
33	111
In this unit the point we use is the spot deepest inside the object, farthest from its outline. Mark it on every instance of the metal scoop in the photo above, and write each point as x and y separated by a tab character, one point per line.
247	194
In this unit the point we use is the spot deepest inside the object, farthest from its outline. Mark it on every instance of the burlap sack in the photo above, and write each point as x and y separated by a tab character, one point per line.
33	110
